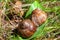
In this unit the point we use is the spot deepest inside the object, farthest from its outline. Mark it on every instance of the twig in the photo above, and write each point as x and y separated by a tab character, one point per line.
4	11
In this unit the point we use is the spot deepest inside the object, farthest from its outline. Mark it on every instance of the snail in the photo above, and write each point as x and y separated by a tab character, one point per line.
26	28
38	17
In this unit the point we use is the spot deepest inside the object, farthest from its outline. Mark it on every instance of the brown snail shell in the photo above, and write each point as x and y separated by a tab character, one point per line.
26	28
38	17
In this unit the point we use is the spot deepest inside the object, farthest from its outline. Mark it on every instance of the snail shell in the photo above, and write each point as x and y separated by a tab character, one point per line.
26	28
38	17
